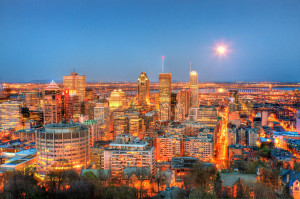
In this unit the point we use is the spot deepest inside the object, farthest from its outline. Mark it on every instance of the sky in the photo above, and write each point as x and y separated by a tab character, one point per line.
117	40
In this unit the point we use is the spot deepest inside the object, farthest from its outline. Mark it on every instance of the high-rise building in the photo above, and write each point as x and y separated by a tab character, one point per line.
165	96
32	101
168	146
62	146
120	125
10	114
204	115
117	99
173	105
179	112
234	104
53	106
76	82
201	147
101	115
264	118
71	106
128	151
194	89
183	97
143	90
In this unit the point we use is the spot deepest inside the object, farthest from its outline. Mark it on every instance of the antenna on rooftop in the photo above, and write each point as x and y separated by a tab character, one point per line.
190	66
163	60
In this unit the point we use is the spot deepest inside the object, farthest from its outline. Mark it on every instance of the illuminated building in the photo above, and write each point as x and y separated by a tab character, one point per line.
101	115
71	106
204	115
257	124
117	99
127	151
201	147
135	124
76	82
194	89
25	134
89	109
176	129
120	125
143	90
264	118
179	112
298	122
32	101
96	133
10	114
165	96
173	105
233	100
167	147
183	97
251	137
53	107
95	157
62	146
231	136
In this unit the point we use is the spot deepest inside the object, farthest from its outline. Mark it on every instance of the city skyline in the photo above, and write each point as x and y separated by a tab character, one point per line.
115	42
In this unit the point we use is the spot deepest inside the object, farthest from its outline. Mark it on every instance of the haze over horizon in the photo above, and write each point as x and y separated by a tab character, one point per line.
116	41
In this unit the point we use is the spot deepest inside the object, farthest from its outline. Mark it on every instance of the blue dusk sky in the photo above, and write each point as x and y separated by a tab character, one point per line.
117	40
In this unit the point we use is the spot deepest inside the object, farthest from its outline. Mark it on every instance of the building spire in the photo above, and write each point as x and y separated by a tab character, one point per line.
190	66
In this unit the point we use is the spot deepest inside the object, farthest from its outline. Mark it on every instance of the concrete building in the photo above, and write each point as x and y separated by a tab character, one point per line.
62	146
75	82
32	101
165	96
117	99
298	122
168	146
128	151
194	89
53	106
10	114
204	115
201	147
143	90
183	97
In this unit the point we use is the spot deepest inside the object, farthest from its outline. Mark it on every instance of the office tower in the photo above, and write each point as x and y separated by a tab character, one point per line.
95	131
128	151
165	96
233	100
117	99
168	146
71	106
231	136
264	118
179	112
298	122
101	115
76	82
183	97
120	125
53	107
251	137
201	147
135	123
257	124
32	101
204	115
10	114
89	109
173	105
62	146
194	89
143	90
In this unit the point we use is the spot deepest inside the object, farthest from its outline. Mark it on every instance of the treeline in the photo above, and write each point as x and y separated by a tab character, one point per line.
61	185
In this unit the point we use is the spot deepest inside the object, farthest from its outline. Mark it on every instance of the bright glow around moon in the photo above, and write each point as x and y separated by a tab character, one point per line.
222	49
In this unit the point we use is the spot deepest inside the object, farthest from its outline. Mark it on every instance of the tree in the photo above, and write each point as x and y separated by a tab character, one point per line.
218	185
286	193
201	194
160	179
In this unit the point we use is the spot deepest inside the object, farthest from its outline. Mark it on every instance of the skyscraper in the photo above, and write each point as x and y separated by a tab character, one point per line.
183	97
143	90
233	101
75	82
53	107
165	95
10	114
298	122
194	89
